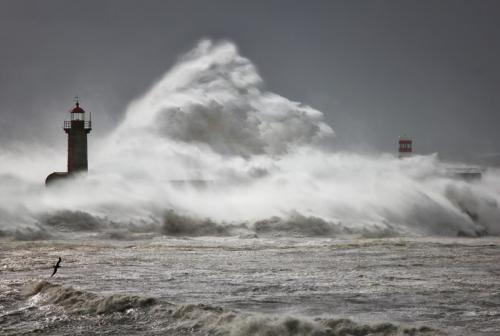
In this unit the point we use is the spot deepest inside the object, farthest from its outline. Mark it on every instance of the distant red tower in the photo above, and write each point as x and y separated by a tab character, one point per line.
405	146
77	129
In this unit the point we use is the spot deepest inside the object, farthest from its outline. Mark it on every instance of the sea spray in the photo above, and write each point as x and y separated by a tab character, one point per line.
208	151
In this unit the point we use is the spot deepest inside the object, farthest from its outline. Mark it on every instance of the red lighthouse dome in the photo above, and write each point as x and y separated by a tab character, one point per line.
77	109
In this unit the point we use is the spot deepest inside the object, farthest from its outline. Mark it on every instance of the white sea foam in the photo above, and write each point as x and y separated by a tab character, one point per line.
208	151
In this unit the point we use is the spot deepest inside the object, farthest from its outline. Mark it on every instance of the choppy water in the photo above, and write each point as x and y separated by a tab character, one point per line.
253	286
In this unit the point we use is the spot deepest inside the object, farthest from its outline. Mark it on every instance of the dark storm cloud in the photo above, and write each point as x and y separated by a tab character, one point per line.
375	68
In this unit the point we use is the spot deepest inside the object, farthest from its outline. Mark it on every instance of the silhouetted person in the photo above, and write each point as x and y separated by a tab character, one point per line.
56	266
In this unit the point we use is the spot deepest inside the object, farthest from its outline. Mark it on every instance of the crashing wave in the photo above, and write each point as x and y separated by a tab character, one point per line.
66	224
217	321
77	301
201	319
209	151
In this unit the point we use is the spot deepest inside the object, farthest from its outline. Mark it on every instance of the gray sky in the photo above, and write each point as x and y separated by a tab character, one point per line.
377	69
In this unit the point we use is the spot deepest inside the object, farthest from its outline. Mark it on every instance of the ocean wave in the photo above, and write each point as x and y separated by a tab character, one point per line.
202	319
72	220
184	225
217	321
78	301
28	233
67	224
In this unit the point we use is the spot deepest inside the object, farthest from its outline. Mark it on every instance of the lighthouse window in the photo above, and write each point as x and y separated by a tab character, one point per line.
77	116
405	145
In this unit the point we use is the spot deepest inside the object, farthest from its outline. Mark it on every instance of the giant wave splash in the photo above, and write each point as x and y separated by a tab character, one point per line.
208	151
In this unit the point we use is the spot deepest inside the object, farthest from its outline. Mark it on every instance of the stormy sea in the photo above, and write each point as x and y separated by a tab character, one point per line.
216	207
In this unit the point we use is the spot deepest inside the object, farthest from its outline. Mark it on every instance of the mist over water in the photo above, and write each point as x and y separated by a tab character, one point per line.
208	151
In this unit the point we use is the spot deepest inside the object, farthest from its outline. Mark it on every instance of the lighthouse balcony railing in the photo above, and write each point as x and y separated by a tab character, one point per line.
87	124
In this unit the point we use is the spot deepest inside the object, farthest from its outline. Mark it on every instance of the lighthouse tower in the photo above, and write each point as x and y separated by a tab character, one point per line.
405	146
77	129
